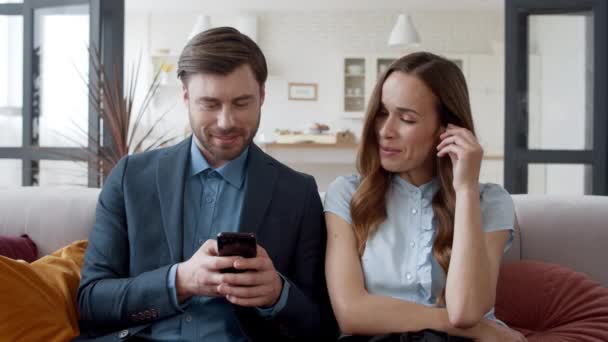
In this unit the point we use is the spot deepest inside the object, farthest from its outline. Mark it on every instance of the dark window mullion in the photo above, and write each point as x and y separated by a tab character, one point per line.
600	104
11	9
94	39
28	87
51	153
110	38
55	3
556	156
516	99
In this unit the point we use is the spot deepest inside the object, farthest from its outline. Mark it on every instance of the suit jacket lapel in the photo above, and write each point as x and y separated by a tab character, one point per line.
170	179
261	178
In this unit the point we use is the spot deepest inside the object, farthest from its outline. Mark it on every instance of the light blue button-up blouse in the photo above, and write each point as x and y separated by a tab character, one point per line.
398	259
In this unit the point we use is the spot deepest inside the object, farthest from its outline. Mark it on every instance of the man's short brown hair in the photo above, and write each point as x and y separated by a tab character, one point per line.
220	51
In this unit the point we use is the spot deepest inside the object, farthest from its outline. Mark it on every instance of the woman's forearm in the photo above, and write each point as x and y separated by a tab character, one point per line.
468	285
378	315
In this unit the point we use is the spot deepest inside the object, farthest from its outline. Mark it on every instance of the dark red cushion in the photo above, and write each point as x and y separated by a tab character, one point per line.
549	302
18	248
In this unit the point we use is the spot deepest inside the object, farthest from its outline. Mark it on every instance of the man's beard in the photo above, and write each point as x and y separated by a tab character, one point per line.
217	153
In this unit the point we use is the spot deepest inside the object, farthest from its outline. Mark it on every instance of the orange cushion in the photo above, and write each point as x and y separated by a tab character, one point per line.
549	302
39	299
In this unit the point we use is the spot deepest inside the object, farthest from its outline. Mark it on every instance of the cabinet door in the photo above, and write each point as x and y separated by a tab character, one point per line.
355	71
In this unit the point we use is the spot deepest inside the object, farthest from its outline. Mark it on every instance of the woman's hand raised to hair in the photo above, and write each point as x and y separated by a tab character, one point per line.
466	154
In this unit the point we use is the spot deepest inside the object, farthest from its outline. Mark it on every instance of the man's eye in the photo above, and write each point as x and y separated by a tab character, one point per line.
207	105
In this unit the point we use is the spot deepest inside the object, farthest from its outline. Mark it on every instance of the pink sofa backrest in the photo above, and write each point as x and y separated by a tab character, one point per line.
568	230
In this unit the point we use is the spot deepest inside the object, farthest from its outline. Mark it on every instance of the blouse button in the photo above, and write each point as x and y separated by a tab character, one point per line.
414	211
412	244
408	276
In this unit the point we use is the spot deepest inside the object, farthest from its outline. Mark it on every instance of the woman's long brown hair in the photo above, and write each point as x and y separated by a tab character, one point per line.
368	205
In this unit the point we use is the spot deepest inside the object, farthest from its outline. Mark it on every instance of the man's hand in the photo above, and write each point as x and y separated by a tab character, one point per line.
200	275
259	286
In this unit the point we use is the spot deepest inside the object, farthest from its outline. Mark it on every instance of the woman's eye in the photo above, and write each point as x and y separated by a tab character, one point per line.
408	121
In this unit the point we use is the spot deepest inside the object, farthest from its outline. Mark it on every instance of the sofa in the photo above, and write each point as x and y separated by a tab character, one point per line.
560	243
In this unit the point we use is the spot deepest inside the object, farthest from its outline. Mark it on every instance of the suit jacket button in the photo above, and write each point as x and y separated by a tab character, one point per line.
123	333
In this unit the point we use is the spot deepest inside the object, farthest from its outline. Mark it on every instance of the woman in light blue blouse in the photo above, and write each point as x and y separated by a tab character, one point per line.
414	240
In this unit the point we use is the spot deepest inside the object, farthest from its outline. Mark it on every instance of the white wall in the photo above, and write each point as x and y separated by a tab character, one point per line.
308	47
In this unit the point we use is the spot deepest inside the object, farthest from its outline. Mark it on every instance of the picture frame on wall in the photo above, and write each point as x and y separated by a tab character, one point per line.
302	91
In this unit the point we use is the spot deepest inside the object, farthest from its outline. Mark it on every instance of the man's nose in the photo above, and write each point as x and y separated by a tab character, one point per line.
225	119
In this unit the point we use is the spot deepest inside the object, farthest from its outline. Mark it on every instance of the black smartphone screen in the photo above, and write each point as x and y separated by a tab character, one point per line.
241	244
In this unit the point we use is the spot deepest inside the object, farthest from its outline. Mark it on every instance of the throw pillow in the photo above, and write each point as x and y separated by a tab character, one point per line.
21	247
39	299
549	302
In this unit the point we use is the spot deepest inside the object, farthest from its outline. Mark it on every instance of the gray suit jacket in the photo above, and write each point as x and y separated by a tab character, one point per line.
138	235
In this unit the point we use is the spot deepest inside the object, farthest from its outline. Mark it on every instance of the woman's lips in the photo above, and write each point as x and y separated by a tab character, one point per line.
388	151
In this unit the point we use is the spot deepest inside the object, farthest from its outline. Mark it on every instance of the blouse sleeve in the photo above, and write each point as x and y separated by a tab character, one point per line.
497	210
338	196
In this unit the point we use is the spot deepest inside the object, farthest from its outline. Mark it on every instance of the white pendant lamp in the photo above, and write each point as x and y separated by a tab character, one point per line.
404	33
203	23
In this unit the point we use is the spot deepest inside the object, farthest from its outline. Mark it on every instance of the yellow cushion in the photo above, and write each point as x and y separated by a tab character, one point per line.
39	299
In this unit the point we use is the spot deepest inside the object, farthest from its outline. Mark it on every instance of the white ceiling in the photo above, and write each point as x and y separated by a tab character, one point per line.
215	6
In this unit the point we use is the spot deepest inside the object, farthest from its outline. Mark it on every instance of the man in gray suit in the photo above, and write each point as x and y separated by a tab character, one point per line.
152	269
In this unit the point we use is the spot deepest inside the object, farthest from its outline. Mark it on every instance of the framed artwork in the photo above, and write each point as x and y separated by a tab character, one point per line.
302	91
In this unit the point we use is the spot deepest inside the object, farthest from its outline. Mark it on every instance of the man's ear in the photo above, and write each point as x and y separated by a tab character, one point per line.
185	94
262	94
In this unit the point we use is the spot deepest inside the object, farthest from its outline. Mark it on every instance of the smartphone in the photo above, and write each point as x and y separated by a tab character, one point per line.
241	244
